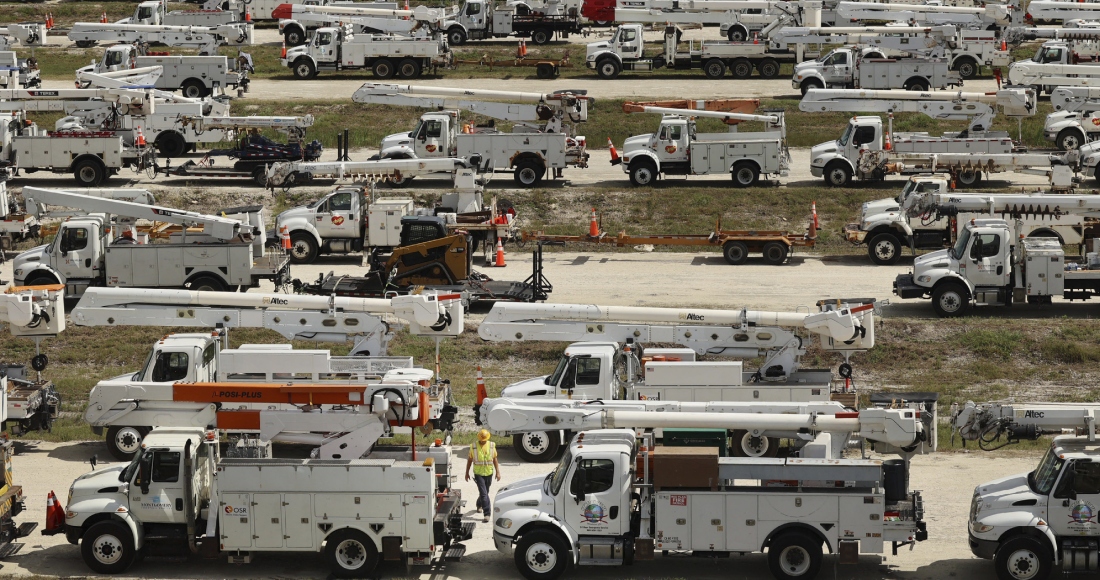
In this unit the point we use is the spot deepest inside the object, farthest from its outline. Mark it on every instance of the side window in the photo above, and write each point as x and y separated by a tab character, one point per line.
74	239
340	202
324	39
1086	478
1053	55
599	475
840	58
663	135
208	354
677	132
170	366
588	371
473	9
166	466
985	246
434	129
629	35
864	135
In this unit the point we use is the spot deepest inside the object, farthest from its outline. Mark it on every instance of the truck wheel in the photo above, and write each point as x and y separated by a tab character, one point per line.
40	280
919	85
969	177
1022	559
775	253
735	253
194	89
745	174
794	555
545	70
170	144
643	172
529	173
608	68
1070	140
124	442
408	68
456	37
304	69
207	284
351	554
541	36
950	299
737	34
85	43
884	249
107	547
303	248
259	175
743	445
383	68
768	68
967	68
89	172
536	446
837	174
714	68
542	555
294	36
741	68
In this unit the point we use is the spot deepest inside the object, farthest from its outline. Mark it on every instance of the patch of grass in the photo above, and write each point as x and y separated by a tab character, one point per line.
1069	352
990	344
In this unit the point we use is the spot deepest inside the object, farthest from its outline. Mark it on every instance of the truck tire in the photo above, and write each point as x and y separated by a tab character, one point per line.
170	144
1022	558
351	554
207	284
294	36
456	36
303	248
741	68
810	84
768	68
643	172
108	547
541	36
837	174
383	68
542	555
89	172
735	253
529	173
917	84
794	555
775	253
85	43
194	89
42	279
545	70
259	175
742	445
745	174
401	181
1070	139
969	177
537	446
950	299
408	68
303	69
967	67
884	249
714	68
123	442
608	68
737	34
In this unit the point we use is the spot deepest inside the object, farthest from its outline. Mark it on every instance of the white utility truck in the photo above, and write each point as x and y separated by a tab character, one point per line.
1076	117
1060	10
89	249
194	76
297	22
205	38
16	224
1054	65
915	220
29	34
543	140
976	21
613	500
339	49
483	19
678	149
18	72
612	365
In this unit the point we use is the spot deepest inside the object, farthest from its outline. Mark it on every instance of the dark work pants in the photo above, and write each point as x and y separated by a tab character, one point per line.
483	483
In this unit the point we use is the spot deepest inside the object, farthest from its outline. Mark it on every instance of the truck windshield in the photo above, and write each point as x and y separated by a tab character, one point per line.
847	135
557	477
127	474
1041	481
555	377
145	367
960	245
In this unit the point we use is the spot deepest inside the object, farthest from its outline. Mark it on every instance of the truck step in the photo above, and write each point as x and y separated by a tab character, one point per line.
10	549
454	553
467	531
599	562
26	528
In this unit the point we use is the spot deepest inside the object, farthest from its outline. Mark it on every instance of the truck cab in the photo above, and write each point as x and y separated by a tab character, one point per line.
607	57
586	370
74	257
835	68
862	132
885	225
1029	522
147	13
433	136
666	151
115	58
323	48
326	225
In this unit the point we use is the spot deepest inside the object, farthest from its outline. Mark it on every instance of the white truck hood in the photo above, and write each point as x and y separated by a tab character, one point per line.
1090	155
92	482
521	502
596	47
301	212
396	140
931	262
294	52
27	260
637	143
1008	496
817	152
879	209
535	387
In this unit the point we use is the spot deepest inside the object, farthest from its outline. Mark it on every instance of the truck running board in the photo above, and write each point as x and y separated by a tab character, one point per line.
454	553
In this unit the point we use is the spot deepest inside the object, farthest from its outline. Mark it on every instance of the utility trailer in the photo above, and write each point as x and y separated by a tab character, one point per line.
253	153
18	72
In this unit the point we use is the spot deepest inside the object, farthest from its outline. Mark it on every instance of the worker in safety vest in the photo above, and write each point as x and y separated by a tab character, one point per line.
483	458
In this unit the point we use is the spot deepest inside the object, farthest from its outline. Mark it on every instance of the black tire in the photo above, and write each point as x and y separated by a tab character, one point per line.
838	174
768	68
542	555
745	174
643	172
303	69
794	555
171	144
735	253
303	248
108	547
967	68
383	68
545	70
42	279
350	554
194	89
529	173
714	68
741	445
884	249
408	68
950	299
919	85
207	284
541	36
456	36
1018	558
741	68
737	34
122	442
294	36
969	177
775	253
89	172
608	68
537	446
810	84
259	175
85	43
1070	139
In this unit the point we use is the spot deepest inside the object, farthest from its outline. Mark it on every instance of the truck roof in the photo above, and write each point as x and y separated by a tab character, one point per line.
986	222
609	439
1075	446
185	338
590	347
168	436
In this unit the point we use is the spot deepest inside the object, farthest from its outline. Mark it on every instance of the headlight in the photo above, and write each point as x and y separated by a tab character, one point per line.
979	528
70	515
924	278
504	523
865	226
19	271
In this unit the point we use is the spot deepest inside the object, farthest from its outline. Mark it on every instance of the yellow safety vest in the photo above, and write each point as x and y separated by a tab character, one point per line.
483	458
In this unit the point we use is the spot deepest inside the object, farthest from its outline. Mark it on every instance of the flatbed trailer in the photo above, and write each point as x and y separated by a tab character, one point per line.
545	68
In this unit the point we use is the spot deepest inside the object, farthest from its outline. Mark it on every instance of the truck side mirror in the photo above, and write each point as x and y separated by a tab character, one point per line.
144	469
580	481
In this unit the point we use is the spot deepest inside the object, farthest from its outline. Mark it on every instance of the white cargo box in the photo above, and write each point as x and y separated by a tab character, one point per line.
278	365
703	374
502	148
171	265
384	221
1045	267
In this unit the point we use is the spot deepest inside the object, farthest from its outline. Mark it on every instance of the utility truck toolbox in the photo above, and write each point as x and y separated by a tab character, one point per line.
685	467
703	373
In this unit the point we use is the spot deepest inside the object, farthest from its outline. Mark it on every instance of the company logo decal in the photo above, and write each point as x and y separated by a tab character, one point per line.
594	514
430	148
337	219
670	148
1083	514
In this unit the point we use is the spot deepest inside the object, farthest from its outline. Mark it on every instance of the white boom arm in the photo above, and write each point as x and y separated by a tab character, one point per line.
25	33
1060	10
977	108
284	124
1000	14
131	101
1021	34
930	41
206	38
37	311
141	78
1078	99
986	423
771	119
291	172
1011	205
399	21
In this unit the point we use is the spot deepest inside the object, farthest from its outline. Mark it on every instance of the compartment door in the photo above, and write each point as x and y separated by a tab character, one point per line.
708	522
236	521
741	525
297	520
268	509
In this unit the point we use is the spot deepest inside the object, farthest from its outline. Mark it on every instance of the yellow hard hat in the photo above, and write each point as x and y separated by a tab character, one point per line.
483	435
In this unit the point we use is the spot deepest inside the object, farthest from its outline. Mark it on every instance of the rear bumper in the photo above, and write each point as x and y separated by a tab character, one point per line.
904	287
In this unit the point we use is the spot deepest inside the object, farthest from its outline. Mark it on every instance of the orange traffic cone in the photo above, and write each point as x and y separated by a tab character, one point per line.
49	21
482	393
500	255
523	47
615	159
103	18
284	51
284	233
247	16
140	138
519	49
593	227
1004	45
55	516
888	145
756	38
813	210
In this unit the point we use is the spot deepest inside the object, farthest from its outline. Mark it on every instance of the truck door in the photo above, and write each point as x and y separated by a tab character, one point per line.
581	379
985	260
1075	502
628	42
156	493
429	139
76	252
592	500
672	142
336	218
473	17
838	69
324	46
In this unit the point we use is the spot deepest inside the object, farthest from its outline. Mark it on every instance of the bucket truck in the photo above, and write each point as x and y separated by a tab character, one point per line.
677	149
89	250
1061	11
339	49
612	500
298	21
988	423
543	140
1075	120
29	34
1054	65
867	151
29	404
986	18
886	226
483	19
206	39
253	152
18	72
612	364
155	13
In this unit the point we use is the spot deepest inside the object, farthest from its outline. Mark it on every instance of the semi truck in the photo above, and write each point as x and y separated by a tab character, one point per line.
338	48
483	19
